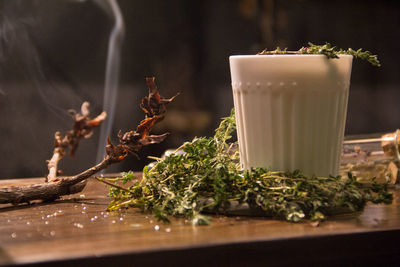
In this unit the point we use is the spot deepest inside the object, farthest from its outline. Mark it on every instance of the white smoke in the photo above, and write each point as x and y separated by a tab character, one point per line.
112	70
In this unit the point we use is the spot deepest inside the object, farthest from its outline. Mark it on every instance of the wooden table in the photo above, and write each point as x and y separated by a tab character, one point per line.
77	230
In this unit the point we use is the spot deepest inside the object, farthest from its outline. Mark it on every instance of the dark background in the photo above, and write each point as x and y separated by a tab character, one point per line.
53	53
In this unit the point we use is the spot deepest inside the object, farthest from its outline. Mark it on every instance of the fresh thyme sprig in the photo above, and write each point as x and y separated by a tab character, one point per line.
208	177
329	51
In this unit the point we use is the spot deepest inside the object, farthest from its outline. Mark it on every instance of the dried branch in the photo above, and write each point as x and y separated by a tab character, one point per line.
82	128
129	143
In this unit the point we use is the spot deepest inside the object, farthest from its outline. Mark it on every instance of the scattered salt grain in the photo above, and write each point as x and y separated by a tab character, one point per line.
78	225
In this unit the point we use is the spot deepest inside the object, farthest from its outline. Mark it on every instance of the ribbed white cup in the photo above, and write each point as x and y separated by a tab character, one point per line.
291	111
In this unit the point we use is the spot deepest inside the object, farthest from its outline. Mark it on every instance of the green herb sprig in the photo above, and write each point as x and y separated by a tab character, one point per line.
329	51
208	177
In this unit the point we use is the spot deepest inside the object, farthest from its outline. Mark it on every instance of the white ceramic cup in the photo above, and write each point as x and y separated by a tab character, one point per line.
291	111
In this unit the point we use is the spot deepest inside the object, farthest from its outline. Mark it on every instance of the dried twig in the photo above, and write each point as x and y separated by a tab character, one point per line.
129	143
82	128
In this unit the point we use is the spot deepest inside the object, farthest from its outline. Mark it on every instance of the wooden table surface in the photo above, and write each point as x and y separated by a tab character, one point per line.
77	230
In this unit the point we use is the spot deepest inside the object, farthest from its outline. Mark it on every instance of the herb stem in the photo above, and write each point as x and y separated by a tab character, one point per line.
329	51
102	180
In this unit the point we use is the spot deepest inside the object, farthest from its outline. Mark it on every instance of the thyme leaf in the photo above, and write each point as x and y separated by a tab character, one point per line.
329	51
208	177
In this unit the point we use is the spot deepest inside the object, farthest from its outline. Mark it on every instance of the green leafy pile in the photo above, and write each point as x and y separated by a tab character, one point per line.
208	177
329	51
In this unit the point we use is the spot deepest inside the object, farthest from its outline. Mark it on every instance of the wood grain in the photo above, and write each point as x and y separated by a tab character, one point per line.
77	230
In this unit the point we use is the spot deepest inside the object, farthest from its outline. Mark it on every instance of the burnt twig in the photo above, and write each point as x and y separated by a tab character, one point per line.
82	128
129	143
